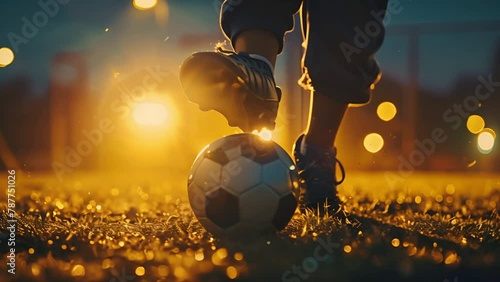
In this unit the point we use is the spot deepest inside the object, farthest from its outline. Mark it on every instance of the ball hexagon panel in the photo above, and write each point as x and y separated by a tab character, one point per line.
222	208
284	157
197	200
233	153
259	205
199	159
217	155
277	176
240	175
286	208
217	149
207	175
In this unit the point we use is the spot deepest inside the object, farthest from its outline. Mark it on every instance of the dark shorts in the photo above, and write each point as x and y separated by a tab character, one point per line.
340	38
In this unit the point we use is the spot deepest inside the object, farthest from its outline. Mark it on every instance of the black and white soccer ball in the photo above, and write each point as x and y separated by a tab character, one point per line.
243	184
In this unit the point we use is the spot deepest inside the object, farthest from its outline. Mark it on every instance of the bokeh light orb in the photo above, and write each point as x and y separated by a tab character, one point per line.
145	4
475	124
265	134
386	111
6	57
373	142
486	140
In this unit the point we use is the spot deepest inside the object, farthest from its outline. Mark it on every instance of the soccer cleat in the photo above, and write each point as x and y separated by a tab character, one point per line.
317	178
238	86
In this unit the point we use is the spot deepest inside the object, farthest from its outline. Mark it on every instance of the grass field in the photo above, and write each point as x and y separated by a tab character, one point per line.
432	227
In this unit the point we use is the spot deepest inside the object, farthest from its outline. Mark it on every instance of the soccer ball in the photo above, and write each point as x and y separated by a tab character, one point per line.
243	185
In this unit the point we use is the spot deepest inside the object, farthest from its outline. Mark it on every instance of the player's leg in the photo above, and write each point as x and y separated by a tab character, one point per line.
325	117
241	85
258	42
339	69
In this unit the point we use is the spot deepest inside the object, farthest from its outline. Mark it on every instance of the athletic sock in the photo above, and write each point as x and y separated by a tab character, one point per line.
316	149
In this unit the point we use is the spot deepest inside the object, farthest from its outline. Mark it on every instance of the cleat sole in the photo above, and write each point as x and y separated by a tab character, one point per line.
225	91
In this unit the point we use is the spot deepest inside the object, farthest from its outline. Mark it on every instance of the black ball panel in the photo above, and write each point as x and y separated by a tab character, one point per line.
217	155
286	208
222	208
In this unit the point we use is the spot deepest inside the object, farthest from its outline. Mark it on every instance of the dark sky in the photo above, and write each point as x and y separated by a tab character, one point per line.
80	26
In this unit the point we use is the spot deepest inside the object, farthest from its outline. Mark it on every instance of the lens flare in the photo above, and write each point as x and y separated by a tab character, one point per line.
373	142
486	141
145	4
386	111
475	124
265	134
6	57
150	114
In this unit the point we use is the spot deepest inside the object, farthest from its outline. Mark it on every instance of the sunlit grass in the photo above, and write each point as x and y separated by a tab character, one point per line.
145	232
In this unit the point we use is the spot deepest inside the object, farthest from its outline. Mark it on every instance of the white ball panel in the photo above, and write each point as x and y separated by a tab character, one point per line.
233	153
240	175
277	176
259	205
208	175
197	199
284	157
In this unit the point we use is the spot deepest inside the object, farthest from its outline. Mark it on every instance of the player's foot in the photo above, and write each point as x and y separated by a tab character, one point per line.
317	177
238	86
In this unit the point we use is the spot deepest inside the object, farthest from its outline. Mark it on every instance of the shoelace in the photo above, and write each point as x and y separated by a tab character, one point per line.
326	161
